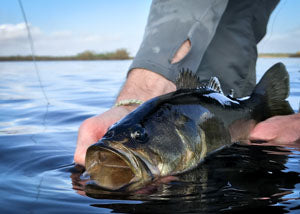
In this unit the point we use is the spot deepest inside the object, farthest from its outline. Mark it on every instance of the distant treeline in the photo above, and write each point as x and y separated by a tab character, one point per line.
120	54
297	54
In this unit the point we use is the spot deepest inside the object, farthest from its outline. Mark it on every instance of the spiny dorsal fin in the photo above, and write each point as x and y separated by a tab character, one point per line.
214	84
187	80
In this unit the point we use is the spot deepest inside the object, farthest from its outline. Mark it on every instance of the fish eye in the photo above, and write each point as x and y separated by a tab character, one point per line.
139	135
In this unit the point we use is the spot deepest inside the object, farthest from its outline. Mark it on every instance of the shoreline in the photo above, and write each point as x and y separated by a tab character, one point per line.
113	56
279	55
119	54
45	60
5	59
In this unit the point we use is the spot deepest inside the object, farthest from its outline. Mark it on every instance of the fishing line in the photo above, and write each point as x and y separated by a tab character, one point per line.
33	51
29	36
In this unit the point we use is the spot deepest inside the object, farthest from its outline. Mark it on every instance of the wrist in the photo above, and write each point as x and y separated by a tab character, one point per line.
142	84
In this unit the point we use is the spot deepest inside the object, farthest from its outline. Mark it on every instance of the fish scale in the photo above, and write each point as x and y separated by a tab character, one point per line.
173	133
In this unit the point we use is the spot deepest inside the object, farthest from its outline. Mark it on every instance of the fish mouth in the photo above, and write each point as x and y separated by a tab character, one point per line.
116	168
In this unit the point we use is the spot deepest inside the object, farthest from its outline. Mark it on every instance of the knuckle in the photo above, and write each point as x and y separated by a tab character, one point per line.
87	124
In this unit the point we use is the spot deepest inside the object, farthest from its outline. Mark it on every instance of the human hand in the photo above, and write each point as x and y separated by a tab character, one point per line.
93	128
278	130
142	85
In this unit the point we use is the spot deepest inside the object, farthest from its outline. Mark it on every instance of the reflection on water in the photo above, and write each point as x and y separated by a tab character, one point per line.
234	179
37	144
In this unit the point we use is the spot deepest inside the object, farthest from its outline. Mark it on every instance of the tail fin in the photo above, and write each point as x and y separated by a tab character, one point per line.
271	92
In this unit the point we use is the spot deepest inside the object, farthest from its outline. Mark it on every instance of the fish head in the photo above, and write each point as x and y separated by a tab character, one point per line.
113	165
135	151
119	159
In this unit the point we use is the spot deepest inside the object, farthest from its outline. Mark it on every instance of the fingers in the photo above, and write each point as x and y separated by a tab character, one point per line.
89	132
93	129
280	130
263	131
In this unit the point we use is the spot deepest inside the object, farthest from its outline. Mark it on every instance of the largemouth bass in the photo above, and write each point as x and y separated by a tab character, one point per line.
173	133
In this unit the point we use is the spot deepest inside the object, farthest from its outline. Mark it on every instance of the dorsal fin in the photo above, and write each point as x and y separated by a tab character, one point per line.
214	84
187	80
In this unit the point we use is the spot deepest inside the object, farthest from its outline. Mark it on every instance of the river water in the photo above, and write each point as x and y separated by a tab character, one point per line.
38	137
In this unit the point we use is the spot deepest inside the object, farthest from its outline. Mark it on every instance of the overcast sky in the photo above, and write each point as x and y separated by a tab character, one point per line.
67	27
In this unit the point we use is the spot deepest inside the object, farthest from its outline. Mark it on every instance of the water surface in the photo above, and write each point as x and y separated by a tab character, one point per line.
38	138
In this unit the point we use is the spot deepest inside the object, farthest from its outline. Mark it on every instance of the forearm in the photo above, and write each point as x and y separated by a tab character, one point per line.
142	84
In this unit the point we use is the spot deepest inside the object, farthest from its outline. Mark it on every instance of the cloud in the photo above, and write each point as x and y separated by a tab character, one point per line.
16	32
14	41
287	42
14	37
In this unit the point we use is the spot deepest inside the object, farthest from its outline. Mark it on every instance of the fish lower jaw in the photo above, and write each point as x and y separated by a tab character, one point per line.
109	169
118	169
